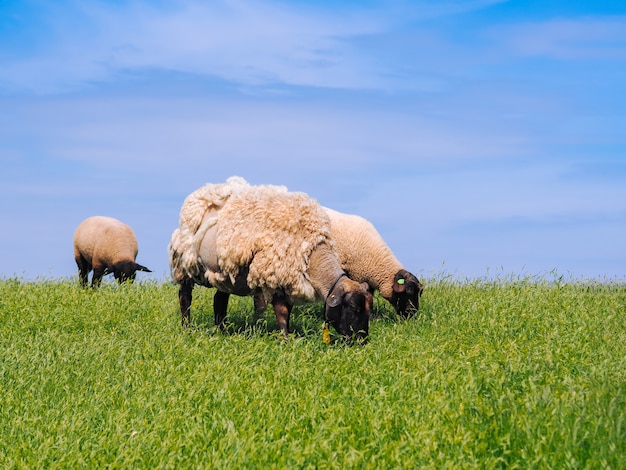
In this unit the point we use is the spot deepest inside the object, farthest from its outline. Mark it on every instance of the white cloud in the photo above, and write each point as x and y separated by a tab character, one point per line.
249	42
566	39
152	135
538	192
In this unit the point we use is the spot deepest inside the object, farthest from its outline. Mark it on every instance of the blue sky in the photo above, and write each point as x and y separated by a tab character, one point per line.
480	137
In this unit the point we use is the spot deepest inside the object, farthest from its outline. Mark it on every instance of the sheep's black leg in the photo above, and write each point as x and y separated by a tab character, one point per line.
282	310
184	299
220	305
259	302
83	270
97	276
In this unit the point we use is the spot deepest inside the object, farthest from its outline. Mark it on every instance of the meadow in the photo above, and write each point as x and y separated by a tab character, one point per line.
513	373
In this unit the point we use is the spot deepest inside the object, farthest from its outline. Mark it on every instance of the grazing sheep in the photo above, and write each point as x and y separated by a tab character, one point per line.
365	257
105	245
266	242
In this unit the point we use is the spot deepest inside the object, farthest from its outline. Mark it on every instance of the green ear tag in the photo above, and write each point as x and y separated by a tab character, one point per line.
400	281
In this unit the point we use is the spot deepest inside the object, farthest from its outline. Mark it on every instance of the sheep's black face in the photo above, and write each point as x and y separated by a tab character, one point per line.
124	271
407	290
351	316
127	271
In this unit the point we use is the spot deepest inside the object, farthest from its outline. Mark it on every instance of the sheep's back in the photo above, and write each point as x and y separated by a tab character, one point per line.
356	237
273	233
363	252
207	197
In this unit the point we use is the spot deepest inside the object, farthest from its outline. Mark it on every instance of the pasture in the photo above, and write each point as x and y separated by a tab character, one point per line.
515	373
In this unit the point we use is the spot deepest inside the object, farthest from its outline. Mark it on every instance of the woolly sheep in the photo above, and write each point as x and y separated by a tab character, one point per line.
267	242
365	257
105	245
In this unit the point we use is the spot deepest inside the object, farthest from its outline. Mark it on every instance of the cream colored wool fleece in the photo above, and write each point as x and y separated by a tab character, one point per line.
185	242
273	232
209	196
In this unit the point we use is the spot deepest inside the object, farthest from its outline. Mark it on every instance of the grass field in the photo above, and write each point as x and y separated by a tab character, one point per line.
517	373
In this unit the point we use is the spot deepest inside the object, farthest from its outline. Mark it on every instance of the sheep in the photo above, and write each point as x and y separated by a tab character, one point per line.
105	245
270	243
365	257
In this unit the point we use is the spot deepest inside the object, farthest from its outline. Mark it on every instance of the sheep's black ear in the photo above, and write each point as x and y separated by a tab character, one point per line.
335	297
142	268
398	286
399	282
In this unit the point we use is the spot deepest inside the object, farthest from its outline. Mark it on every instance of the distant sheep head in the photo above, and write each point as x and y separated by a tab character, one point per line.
127	270
407	290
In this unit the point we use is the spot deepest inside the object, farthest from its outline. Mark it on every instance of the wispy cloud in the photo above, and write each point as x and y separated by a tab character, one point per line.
247	42
584	38
142	134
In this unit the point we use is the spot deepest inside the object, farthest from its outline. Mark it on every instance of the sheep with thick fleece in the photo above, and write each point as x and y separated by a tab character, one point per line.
105	245
365	257
267	242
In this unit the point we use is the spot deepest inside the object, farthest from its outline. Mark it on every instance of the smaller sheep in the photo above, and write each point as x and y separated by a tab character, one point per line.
105	245
365	257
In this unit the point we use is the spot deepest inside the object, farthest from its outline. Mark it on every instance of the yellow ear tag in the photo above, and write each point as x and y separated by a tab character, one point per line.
400	281
326	334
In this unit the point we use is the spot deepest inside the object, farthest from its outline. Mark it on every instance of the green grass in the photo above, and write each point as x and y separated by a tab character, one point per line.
507	374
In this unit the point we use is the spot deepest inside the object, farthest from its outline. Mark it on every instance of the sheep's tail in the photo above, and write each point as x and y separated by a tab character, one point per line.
185	242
